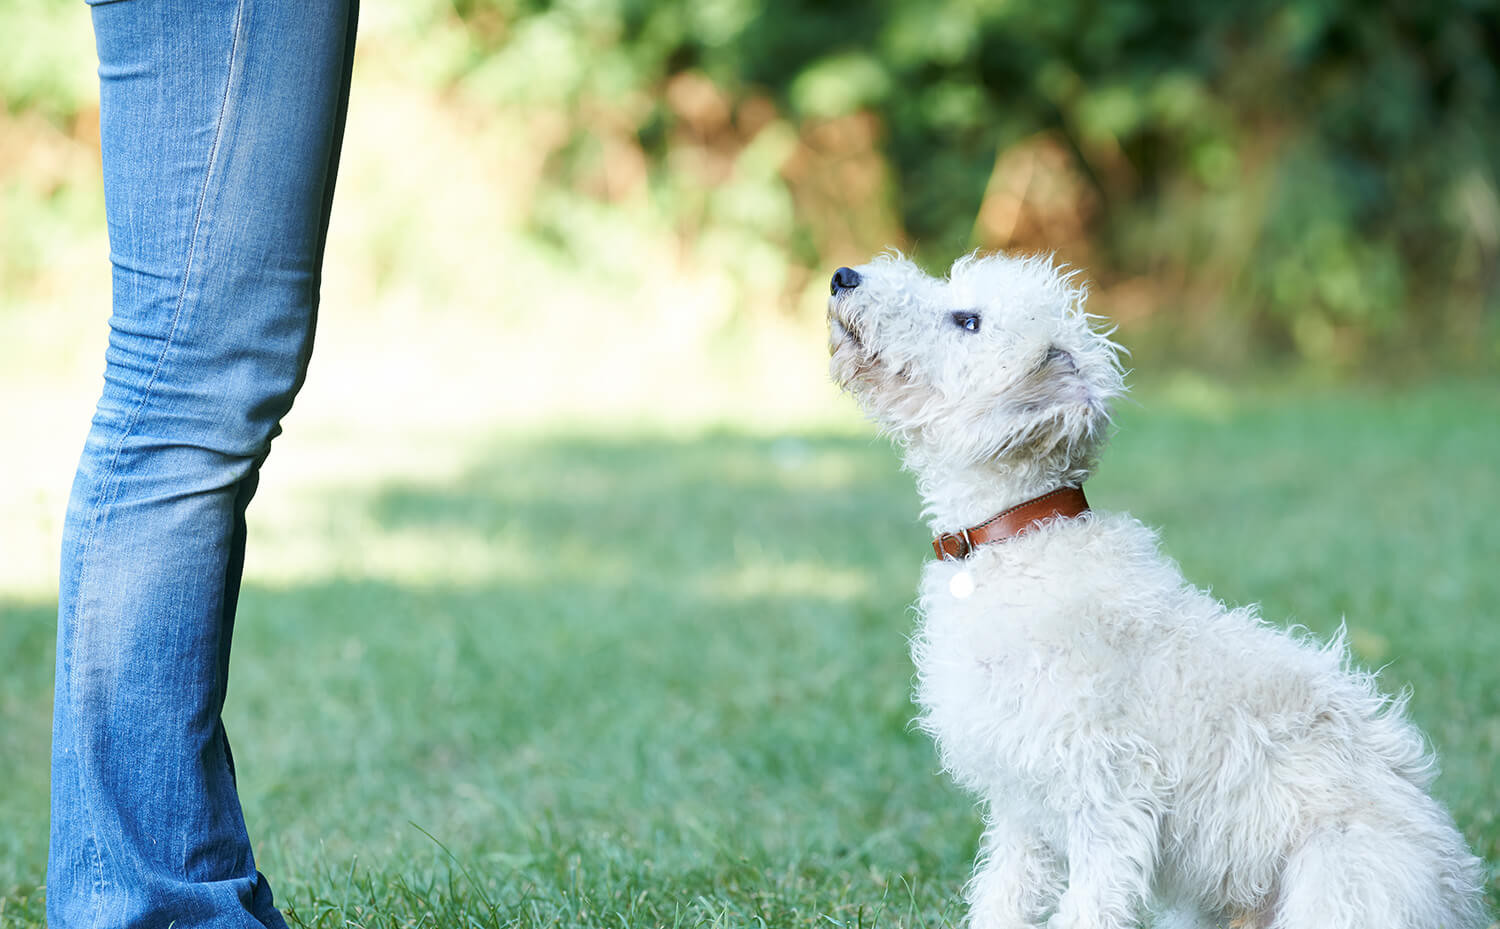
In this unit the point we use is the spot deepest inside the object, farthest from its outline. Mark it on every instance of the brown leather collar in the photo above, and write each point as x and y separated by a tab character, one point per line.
1062	502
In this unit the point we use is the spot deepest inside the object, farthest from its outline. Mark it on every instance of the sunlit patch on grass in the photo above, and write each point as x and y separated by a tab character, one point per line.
778	579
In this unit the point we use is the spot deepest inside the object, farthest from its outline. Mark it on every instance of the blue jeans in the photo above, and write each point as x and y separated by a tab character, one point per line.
221	122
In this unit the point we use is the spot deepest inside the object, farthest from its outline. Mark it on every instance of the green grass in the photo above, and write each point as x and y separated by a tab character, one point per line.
659	677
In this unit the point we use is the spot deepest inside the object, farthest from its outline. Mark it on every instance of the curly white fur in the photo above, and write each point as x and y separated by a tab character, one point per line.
1141	748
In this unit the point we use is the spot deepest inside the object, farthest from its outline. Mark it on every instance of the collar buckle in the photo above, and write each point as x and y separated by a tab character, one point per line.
953	545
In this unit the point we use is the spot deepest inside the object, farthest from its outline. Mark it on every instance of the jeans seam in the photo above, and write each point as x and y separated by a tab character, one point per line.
110	477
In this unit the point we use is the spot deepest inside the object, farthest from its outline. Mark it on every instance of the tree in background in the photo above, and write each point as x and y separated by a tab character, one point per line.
1315	177
1312	179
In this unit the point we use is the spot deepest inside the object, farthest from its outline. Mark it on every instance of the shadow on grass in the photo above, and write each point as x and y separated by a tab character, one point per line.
666	678
697	641
673	667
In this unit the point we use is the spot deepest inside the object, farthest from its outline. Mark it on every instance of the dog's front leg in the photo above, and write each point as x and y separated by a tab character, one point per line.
1017	879
1112	857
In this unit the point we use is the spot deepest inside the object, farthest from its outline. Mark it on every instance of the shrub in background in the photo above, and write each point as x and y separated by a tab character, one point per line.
1314	177
1309	180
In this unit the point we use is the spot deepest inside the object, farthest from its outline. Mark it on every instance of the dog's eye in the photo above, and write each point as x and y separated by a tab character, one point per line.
968	322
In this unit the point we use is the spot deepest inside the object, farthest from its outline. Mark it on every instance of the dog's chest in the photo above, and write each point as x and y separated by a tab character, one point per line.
1002	679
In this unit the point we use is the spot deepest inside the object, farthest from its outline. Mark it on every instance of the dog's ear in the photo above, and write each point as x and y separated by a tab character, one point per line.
1059	408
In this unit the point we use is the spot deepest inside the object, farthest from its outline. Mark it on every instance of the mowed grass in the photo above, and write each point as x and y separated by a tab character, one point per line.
659	677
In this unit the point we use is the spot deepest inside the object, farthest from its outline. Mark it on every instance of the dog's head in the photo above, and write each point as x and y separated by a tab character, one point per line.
998	361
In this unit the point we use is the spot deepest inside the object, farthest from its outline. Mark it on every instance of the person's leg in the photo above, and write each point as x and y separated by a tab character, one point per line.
221	122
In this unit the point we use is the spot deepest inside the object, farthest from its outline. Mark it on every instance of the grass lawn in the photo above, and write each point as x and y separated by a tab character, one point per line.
657	676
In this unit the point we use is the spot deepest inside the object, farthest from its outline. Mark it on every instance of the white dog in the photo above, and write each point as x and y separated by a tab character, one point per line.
1141	748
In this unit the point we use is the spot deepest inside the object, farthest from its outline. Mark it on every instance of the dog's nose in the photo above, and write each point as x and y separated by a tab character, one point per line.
843	279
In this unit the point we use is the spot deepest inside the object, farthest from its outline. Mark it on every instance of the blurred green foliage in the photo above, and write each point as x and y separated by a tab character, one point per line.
1318	176
1313	179
43	45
